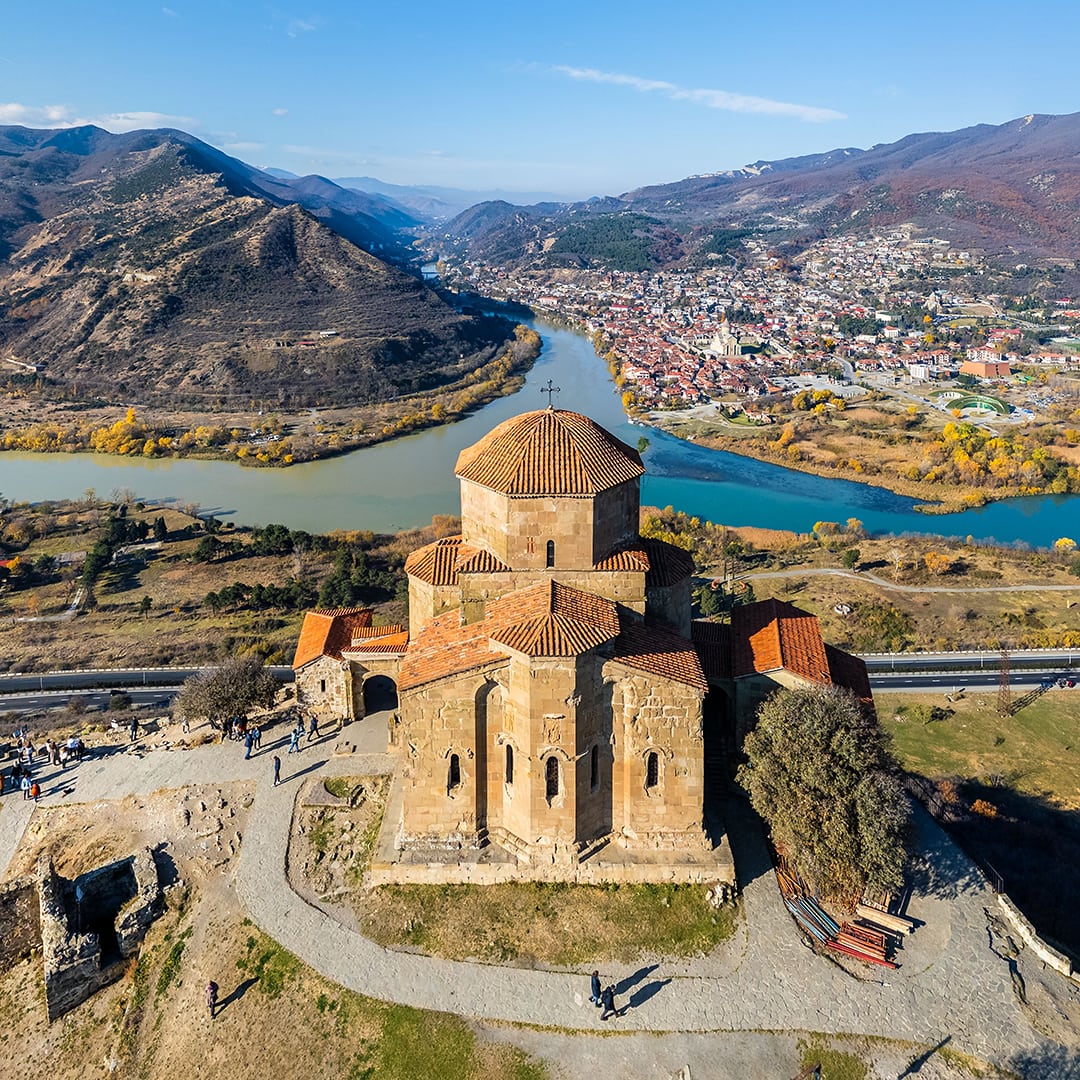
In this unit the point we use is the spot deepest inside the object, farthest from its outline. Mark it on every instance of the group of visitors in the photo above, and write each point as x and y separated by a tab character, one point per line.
27	756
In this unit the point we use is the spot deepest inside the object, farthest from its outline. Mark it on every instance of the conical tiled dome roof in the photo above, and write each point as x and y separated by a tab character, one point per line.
549	452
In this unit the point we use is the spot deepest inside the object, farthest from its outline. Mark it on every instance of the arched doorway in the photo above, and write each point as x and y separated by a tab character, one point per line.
380	694
718	734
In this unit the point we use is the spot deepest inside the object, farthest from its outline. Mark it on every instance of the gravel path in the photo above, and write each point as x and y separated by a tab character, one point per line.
951	985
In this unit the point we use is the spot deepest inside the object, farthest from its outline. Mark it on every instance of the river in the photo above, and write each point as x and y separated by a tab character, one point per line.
402	483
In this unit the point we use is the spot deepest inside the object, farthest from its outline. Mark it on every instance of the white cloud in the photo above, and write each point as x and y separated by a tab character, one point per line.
281	112
169	11
36	115
243	147
713	99
61	116
296	27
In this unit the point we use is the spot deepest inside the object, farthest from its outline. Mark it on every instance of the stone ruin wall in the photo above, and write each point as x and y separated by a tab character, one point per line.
20	917
73	965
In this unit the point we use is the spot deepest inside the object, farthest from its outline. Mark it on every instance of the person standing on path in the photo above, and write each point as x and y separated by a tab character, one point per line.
608	1000
133	733
294	741
249	742
211	997
313	728
25	785
594	996
277	770
256	737
35	791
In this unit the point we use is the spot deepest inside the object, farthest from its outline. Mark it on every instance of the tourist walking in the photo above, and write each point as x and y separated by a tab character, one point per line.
607	999
249	742
211	997
256	736
35	791
25	785
594	997
313	728
294	741
277	770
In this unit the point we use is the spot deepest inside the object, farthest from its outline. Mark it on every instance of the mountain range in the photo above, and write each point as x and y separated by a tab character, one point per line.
1010	189
151	267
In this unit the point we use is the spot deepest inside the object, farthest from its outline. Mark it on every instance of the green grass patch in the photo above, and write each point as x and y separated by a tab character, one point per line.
1036	752
549	923
322	832
835	1064
171	966
341	787
267	962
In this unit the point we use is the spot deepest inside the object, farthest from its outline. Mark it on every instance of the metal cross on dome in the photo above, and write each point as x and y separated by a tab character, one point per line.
551	390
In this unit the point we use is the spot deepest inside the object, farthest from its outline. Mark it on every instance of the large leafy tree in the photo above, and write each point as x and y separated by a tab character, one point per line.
820	772
239	685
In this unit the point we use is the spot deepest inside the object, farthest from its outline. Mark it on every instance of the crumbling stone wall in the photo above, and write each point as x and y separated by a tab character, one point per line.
73	961
20	918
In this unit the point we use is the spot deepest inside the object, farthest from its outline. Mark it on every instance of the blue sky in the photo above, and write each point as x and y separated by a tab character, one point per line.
576	98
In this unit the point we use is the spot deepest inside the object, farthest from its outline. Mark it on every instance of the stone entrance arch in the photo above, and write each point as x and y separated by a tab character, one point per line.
380	694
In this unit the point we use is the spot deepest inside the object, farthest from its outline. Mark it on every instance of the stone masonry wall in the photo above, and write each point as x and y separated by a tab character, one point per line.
662	717
323	687
20	918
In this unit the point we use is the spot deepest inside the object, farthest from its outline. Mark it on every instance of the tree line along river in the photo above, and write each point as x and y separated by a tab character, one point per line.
402	483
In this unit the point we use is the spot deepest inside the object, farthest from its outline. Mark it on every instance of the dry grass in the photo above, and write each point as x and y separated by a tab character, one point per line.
529	922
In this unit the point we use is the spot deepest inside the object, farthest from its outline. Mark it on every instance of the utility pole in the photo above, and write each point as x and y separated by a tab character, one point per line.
1004	690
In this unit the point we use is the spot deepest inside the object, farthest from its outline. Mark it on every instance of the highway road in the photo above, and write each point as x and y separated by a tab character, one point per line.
160	697
108	677
947	682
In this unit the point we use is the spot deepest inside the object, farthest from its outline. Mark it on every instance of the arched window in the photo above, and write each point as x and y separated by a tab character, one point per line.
551	553
453	776
652	770
509	764
594	768
551	777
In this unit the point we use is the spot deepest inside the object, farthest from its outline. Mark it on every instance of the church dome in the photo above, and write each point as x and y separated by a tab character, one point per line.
549	452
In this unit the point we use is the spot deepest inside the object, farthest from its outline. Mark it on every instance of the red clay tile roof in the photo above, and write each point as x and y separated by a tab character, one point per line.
435	563
474	560
668	564
445	647
549	452
552	619
713	644
850	672
378	639
773	634
632	558
327	631
441	562
659	651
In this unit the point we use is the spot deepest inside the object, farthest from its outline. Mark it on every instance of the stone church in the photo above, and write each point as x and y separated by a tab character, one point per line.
554	699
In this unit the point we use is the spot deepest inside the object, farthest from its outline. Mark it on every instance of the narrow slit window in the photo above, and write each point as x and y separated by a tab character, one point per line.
652	770
453	777
551	777
551	553
509	764
594	768
322	686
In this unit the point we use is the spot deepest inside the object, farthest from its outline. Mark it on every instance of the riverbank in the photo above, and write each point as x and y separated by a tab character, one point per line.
255	438
768	444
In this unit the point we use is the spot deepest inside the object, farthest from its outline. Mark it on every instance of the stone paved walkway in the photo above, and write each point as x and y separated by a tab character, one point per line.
951	985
